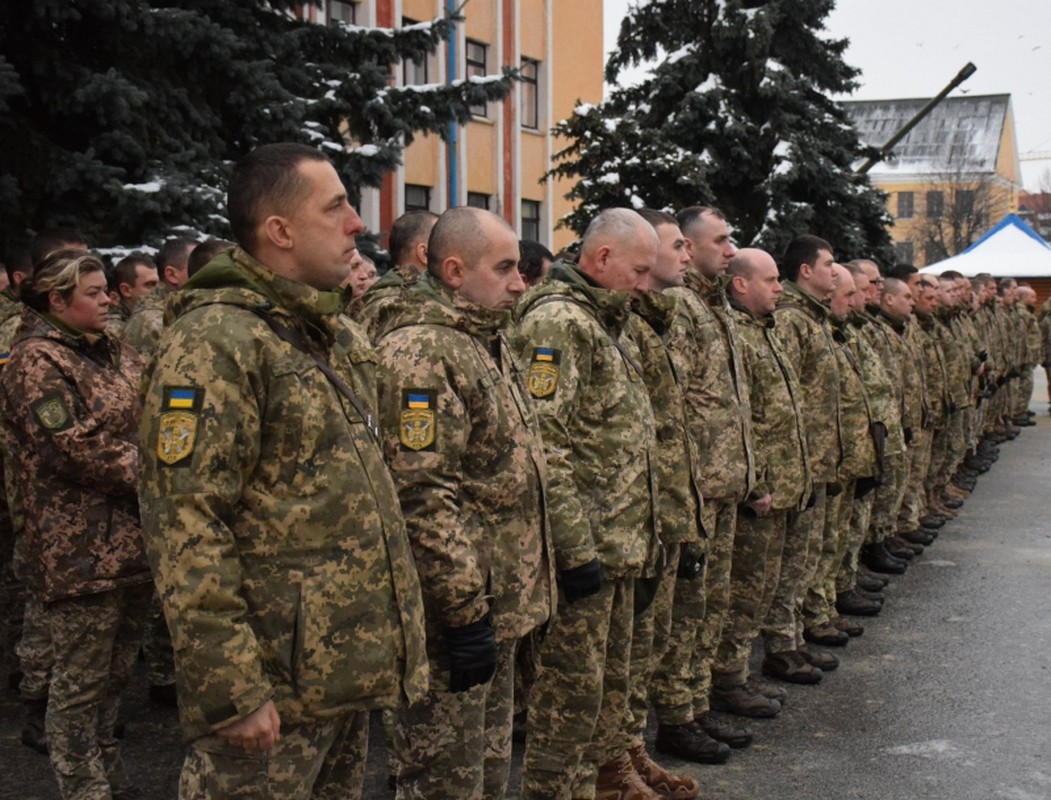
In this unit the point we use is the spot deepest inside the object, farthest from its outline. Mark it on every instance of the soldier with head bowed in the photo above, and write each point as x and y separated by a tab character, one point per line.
271	522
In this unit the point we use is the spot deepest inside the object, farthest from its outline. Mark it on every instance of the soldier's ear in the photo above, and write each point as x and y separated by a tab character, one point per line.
452	271
278	232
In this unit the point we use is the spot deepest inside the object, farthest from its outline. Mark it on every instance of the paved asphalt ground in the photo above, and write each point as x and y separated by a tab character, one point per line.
947	696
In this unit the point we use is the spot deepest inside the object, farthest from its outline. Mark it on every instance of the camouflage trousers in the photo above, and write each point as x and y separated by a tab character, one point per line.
886	500
319	760
915	500
650	639
720	520
457	745
35	654
95	640
818	602
673	687
157	647
803	538
857	528
947	450
579	702
12	609
758	545
1025	391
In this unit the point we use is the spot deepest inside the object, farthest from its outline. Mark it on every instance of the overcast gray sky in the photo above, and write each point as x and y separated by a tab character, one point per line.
913	48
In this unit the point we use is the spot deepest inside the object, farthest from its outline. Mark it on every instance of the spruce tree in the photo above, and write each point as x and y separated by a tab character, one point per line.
123	117
737	112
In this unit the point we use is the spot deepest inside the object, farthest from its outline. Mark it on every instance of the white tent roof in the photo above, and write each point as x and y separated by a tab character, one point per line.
1010	250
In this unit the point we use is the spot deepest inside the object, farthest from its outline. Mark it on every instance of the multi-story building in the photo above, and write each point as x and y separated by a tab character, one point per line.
495	161
953	176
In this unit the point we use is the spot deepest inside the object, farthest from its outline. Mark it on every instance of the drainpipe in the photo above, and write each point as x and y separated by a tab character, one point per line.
454	132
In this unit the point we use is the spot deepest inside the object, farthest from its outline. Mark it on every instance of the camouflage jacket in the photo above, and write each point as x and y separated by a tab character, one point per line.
916	413
678	459
118	318
803	328
71	410
936	371
271	522
1045	338
462	442
374	309
596	421
857	448
706	354
1033	338
781	462
958	357
878	361
143	328
965	328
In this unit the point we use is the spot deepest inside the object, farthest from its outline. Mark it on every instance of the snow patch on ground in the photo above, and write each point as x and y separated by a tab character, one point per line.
935	562
936	748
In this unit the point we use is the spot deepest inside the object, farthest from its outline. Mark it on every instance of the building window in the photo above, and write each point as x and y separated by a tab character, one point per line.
417	198
343	12
933	253
964	202
530	93
477	67
935	205
478	200
903	252
414	73
905	205
531	220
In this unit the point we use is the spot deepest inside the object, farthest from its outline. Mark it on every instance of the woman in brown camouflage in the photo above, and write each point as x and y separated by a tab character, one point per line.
70	406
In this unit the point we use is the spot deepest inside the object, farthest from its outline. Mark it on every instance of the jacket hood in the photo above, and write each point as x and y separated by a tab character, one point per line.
765	321
35	325
428	301
236	278
611	308
656	308
794	295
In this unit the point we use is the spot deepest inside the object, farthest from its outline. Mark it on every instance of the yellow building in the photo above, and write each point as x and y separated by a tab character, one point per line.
952	178
497	159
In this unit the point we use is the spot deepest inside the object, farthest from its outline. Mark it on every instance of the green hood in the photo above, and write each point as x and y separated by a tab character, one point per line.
611	308
428	301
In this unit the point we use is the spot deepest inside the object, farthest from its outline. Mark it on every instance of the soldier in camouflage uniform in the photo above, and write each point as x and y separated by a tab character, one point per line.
781	460
464	449
146	321
408	254
1026	309
70	407
708	359
599	439
133	279
271	522
803	327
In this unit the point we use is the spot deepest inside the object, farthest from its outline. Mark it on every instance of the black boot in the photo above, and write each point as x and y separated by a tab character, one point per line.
876	558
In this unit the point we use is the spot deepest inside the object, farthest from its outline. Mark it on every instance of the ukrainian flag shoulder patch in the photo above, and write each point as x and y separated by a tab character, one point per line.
543	371
182	398
419	423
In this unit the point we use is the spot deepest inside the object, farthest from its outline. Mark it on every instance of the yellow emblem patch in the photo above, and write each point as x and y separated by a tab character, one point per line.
543	372
417	428
177	436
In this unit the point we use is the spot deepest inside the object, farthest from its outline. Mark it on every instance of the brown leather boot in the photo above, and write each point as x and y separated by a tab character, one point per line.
673	787
618	780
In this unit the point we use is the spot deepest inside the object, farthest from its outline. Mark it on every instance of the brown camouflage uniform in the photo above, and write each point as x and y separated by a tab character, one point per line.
462	442
12	592
70	408
273	529
598	431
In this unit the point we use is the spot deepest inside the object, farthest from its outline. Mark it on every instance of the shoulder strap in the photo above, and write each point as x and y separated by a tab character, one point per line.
297	341
551	298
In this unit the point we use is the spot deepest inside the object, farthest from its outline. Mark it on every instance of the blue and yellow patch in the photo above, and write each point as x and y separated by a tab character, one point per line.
182	398
543	371
418	421
177	425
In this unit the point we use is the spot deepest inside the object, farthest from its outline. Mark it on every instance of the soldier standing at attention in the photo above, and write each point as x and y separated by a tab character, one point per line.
463	446
271	522
146	321
599	439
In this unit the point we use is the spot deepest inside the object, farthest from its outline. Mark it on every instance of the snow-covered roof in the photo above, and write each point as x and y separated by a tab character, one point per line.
1010	250
960	133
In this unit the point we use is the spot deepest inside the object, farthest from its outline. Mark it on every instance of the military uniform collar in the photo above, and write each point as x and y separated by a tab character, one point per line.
447	307
36	325
656	308
612	308
795	295
713	290
764	321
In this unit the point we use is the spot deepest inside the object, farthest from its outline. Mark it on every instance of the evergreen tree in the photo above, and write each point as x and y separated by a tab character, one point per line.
737	114
123	117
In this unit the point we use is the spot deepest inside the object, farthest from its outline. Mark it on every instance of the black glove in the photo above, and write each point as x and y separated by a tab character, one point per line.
834	489
865	485
582	581
472	654
908	436
691	562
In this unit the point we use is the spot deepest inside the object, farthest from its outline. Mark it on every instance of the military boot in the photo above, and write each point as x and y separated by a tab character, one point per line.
690	743
828	635
34	734
853	604
768	689
917	537
877	558
868	583
826	662
848	626
868	573
791	667
951	503
664	783
618	780
929	520
738	700
722	730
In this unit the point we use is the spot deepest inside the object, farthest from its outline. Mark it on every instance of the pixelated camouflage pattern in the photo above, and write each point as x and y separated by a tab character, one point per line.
782	463
276	542
803	328
958	359
597	426
373	309
858	449
117	319
143	327
936	371
71	410
1045	338
12	591
706	354
915	412
678	461
879	354
474	500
